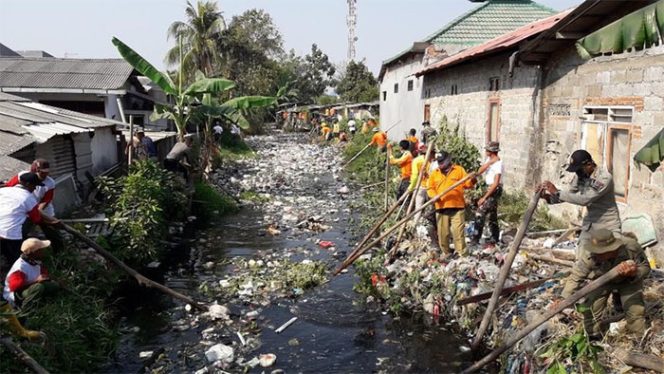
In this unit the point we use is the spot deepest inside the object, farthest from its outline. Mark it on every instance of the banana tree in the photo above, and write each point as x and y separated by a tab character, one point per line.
184	98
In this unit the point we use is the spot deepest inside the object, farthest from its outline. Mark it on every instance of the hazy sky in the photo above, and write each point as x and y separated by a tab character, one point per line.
83	28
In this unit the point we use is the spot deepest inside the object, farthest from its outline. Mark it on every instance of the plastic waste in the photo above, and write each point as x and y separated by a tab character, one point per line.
220	352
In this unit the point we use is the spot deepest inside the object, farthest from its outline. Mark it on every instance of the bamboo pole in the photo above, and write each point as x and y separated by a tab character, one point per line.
356	155
411	206
22	356
591	287
551	259
371	232
507	291
387	176
142	280
409	216
505	269
130	156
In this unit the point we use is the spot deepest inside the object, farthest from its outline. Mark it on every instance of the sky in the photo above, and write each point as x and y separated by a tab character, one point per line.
84	28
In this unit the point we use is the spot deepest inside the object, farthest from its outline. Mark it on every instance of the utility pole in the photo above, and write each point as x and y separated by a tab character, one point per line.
351	21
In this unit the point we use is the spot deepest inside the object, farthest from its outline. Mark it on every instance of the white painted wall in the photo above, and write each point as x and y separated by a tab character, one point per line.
407	106
104	150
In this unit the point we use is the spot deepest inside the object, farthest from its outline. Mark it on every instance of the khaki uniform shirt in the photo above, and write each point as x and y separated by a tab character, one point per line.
585	268
597	195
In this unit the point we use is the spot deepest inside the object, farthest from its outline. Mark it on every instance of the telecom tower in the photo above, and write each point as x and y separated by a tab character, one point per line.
351	21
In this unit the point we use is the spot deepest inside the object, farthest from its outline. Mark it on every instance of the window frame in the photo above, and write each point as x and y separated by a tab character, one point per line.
487	131
411	85
396	88
609	154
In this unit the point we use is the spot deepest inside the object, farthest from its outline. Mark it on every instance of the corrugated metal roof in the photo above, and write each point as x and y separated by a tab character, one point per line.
58	73
45	131
497	44
9	167
10	143
488	21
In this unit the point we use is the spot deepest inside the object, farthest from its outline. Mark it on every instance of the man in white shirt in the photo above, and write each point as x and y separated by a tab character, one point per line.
218	132
352	126
44	195
17	203
487	205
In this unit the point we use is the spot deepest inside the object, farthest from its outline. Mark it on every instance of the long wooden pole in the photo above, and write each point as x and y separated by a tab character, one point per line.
357	155
409	216
387	176
507	291
22	356
142	280
130	156
371	232
416	191
505	269
590	287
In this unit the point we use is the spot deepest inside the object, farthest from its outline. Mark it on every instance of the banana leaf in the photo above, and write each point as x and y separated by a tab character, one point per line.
652	154
636	30
144	67
209	86
249	102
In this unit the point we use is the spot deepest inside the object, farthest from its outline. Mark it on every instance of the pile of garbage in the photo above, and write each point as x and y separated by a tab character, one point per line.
417	280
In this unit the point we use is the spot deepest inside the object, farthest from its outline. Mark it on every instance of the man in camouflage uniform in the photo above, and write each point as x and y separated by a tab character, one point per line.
428	133
603	252
592	187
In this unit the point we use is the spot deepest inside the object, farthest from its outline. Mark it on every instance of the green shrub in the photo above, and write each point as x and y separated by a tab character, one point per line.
140	205
80	331
210	203
512	207
463	152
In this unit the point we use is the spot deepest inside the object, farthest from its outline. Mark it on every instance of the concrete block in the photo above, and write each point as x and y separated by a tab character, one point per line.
634	75
653	103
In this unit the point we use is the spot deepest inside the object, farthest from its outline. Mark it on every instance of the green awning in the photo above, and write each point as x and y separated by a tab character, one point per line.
652	154
640	29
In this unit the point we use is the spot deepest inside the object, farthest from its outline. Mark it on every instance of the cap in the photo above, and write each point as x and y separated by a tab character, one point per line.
376	129
579	158
32	245
493	147
426	123
603	241
30	178
443	157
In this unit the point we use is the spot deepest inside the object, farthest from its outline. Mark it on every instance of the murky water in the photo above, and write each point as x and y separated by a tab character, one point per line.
335	331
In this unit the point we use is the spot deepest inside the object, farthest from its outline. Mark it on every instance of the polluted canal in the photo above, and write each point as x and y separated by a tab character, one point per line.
269	264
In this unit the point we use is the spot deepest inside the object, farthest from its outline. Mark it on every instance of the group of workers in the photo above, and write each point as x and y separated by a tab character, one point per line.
26	200
602	244
343	134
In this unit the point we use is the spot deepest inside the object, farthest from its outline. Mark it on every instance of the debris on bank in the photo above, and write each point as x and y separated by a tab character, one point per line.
417	280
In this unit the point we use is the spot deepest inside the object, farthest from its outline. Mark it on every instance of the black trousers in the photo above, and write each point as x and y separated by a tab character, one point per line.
10	251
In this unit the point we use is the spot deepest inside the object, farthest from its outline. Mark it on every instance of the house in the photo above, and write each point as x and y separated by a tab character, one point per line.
531	90
79	146
108	88
401	92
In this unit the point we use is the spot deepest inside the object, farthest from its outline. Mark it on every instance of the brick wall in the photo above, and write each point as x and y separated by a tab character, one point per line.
469	109
630	79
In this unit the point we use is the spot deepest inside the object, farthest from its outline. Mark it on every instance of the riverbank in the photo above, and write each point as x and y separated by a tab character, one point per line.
415	280
263	267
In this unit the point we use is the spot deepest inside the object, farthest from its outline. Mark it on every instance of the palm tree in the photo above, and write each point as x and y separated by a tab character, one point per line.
198	39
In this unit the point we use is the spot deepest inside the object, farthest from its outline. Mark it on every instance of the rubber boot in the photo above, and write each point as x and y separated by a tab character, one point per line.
14	326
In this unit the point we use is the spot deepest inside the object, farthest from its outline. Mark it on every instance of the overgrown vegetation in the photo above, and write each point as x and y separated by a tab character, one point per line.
513	205
573	351
140	205
210	203
79	327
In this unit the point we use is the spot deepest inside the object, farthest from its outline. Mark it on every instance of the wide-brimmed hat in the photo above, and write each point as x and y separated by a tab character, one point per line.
376	129
603	241
32	245
493	147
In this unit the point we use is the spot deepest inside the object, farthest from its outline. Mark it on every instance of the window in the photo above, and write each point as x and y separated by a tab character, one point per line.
454	90
618	158
427	93
606	135
494	84
427	112
493	125
410	85
384	95
396	88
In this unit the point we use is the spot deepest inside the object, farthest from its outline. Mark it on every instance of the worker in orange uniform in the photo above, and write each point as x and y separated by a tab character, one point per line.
405	164
414	141
451	206
379	139
326	131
